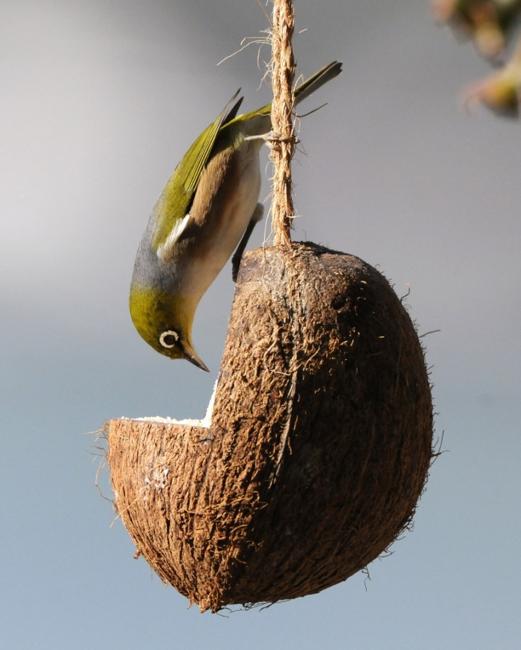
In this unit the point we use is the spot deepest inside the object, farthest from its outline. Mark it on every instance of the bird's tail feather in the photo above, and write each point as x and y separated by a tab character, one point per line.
302	91
317	80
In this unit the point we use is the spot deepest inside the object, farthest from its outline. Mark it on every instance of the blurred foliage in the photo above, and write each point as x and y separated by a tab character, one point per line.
491	25
501	91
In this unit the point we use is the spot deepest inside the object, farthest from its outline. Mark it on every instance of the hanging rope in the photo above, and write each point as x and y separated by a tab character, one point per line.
283	141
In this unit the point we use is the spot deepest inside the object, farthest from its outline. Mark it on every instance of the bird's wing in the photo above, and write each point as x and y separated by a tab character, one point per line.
174	204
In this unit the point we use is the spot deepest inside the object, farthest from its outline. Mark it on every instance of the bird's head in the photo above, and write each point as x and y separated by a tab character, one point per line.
164	321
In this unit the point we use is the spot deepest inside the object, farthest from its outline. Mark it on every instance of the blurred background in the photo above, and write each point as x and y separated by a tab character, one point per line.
99	100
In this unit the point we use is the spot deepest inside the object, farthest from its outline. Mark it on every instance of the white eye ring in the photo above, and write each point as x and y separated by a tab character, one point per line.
163	339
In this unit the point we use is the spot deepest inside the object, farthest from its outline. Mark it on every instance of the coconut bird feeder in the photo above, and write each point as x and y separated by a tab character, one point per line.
320	439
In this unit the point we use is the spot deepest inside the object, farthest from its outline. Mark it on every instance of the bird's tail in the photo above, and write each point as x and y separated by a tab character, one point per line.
317	80
302	91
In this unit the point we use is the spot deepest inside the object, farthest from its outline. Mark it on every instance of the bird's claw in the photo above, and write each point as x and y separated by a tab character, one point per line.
236	265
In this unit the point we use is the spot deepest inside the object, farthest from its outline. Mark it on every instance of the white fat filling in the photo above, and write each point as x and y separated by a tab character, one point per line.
204	423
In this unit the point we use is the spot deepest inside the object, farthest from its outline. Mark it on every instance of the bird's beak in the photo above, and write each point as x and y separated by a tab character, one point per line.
193	357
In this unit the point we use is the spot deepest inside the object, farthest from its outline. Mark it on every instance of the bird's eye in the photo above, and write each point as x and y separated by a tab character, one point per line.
169	338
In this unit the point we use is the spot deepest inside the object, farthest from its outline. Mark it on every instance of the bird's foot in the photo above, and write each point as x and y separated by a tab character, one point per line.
265	137
236	265
271	137
237	256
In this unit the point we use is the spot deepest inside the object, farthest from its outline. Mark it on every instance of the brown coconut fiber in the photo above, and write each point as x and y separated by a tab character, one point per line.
319	446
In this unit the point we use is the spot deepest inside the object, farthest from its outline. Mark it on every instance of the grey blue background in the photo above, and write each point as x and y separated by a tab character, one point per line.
99	100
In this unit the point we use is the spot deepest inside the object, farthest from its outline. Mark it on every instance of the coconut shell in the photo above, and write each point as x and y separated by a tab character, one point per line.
319	446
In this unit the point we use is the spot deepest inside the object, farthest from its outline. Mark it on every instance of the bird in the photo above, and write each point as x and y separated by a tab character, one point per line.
206	211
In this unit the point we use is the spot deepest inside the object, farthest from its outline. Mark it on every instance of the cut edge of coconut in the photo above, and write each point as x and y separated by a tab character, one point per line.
204	423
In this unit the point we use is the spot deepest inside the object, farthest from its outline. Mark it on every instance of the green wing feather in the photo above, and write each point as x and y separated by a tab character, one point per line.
177	196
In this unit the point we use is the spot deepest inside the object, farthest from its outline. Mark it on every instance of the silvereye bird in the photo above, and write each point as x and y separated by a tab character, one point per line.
206	211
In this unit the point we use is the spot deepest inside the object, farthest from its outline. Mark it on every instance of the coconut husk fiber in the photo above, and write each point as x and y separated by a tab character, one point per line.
319	446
